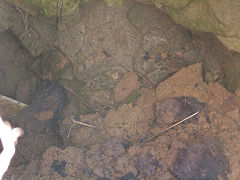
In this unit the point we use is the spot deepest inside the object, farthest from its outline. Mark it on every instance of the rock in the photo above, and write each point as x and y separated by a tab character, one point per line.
70	41
80	135
26	6
45	115
143	162
51	65
16	81
67	163
201	161
48	8
232	73
28	29
237	92
172	110
130	121
126	86
68	74
233	114
99	157
103	98
160	55
10	17
188	81
209	16
30	170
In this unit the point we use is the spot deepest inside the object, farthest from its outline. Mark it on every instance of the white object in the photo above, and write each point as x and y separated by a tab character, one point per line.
9	138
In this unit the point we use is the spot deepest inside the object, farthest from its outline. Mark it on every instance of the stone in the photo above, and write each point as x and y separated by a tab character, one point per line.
62	163
233	114
202	160
126	86
188	81
219	17
16	80
70	41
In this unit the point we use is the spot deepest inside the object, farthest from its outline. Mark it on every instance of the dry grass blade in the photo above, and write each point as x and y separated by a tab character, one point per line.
25	22
83	124
82	101
170	127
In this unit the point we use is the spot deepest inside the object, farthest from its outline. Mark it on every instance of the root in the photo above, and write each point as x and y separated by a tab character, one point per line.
25	22
78	122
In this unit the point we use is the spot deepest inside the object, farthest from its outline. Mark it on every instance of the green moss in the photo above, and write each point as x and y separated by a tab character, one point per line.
86	75
48	7
197	15
136	15
232	79
133	97
114	3
173	3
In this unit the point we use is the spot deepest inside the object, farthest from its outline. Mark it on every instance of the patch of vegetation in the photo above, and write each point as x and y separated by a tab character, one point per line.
133	97
51	7
232	79
114	3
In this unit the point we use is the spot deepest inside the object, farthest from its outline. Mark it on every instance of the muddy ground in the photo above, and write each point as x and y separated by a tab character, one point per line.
132	74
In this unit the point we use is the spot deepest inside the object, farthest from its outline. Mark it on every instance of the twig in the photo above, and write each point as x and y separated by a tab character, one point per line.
10	100
59	6
171	127
25	22
78	122
83	124
79	97
127	68
70	130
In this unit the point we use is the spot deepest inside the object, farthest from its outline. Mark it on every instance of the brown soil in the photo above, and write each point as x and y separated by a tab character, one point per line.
132	73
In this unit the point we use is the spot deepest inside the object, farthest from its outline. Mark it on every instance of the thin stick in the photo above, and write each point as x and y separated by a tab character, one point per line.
78	122
78	97
171	126
25	22
69	132
83	124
